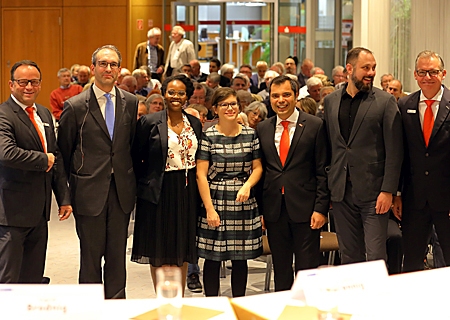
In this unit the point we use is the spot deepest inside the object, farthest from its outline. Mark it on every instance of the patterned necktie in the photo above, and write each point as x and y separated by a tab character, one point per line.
31	115
284	142
109	114
428	122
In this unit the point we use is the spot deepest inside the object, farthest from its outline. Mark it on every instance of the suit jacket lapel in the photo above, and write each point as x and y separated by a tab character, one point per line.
300	126
442	114
23	116
94	109
270	134
163	134
120	107
362	110
334	112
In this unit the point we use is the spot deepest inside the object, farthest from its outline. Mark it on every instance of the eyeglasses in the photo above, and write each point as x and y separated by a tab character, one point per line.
104	64
173	93
226	105
432	73
24	82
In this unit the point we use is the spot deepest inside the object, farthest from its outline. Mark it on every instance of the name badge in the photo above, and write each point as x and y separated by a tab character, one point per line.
411	111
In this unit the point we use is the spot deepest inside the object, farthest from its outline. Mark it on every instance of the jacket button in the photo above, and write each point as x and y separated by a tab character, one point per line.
426	154
426	173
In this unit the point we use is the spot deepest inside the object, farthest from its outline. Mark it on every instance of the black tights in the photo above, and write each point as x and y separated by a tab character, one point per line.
211	277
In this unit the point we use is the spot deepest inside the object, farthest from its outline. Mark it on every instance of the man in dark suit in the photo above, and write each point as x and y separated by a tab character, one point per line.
426	171
150	53
295	198
95	135
30	168
365	137
196	74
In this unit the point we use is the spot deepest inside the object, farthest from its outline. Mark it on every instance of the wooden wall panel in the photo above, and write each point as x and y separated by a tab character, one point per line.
31	3
87	28
39	40
93	3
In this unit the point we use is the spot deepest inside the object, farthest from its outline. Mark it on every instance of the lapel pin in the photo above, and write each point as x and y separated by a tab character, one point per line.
411	111
301	125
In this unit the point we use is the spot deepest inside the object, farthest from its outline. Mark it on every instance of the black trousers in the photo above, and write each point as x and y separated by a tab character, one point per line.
104	236
416	226
22	253
288	239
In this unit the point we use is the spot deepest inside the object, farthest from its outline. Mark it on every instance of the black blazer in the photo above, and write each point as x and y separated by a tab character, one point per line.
426	170
303	175
90	156
25	187
150	152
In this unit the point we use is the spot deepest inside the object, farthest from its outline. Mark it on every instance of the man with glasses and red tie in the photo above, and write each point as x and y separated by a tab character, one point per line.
295	197
96	131
30	168
425	186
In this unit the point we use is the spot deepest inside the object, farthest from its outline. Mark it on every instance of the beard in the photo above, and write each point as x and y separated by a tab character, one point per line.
361	86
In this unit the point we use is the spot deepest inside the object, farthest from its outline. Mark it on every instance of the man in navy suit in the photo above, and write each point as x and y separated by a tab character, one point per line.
30	168
426	168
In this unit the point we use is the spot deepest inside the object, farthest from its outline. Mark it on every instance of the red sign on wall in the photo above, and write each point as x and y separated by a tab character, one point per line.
291	29
140	24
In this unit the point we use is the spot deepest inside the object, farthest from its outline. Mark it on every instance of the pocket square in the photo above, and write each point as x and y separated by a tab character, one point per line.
411	111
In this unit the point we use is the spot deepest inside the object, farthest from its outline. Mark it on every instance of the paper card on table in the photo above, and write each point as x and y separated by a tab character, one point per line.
347	287
245	314
187	313
62	302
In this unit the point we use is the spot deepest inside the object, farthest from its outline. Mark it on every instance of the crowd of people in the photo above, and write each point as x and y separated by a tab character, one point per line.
209	161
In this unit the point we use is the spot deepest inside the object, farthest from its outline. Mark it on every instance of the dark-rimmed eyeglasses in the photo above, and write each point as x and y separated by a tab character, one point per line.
432	73
24	82
104	64
226	105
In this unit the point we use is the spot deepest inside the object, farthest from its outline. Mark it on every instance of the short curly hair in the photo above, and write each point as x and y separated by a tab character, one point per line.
180	77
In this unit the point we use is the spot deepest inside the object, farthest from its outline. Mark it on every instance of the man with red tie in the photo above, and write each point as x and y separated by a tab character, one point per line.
294	195
425	186
30	169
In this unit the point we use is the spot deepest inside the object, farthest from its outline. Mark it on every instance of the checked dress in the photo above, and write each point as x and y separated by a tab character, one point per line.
230	161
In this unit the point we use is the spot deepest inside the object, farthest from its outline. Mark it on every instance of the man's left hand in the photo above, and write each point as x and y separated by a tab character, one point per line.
384	202
64	212
317	220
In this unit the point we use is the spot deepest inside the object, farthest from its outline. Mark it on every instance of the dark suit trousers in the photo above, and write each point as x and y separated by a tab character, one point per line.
104	236
416	226
394	248
22	253
362	233
287	238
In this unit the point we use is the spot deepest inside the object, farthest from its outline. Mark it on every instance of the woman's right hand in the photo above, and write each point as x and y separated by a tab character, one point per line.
213	218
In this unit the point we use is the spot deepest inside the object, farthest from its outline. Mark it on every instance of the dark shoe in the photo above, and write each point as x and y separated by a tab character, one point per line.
193	283
45	280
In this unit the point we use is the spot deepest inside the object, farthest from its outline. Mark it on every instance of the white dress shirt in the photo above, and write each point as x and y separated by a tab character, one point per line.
279	128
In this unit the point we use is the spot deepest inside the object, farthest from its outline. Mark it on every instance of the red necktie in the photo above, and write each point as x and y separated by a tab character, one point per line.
31	115
428	122
284	142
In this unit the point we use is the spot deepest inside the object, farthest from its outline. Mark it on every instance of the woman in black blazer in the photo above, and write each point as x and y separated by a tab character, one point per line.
167	196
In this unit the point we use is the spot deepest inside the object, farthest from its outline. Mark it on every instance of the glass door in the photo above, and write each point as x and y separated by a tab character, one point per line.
292	30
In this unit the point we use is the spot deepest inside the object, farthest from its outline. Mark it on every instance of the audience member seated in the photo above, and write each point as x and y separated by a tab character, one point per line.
290	64
268	76
142	81
84	74
240	82
129	84
245	98
242	119
278	67
214	66
155	103
64	92
258	77
202	111
227	70
396	89
74	71
305	71
385	79
307	105
196	73
255	112
142	109
247	70
338	75
324	91
213	80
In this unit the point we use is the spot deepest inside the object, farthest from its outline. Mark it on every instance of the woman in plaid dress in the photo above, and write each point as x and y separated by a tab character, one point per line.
228	166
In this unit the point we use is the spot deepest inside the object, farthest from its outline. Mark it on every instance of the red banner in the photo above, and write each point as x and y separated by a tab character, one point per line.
291	29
